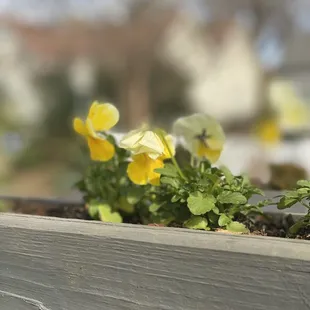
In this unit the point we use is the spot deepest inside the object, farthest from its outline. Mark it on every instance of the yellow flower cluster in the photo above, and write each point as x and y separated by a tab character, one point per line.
203	136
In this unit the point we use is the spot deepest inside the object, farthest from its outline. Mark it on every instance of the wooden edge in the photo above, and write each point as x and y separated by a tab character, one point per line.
257	245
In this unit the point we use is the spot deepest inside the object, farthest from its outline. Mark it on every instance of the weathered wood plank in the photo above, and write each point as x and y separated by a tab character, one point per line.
55	264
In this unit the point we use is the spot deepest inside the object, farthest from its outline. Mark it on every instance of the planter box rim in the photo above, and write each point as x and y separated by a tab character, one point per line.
246	244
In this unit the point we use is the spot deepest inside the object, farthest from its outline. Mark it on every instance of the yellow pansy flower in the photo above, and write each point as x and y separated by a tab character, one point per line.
149	150
203	135
292	109
268	132
141	170
101	117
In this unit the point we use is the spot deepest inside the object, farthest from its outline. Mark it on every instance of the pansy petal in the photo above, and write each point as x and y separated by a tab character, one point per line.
192	126
143	141
214	144
92	109
269	132
170	144
103	116
100	149
131	139
79	126
154	177
152	142
137	170
211	155
90	129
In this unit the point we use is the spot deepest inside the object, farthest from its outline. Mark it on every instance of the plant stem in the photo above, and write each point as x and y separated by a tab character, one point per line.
214	185
192	161
202	167
172	157
178	168
304	204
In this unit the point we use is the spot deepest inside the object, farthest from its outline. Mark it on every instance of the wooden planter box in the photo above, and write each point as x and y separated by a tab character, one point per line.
56	264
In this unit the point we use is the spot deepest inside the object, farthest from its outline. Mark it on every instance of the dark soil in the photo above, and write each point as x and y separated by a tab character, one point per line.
49	208
272	226
276	226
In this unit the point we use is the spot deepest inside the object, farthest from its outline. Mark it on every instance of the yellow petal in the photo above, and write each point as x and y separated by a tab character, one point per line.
79	126
141	170
169	141
131	140
143	141
90	129
92	109
269	132
151	142
138	171
154	177
103	116
100	149
215	144
211	155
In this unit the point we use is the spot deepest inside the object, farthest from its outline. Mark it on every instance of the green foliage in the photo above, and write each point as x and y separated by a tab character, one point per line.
198	197
107	191
197	222
207	198
199	203
300	194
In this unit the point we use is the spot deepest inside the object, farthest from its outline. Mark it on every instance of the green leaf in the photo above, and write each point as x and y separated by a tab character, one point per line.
164	218
245	180
106	214
93	211
303	191
175	198
231	197
207	176
196	222
199	204
135	194
286	202
291	194
303	183
169	170
154	207
125	206
264	203
213	218
294	229
204	165
216	210
224	220
237	227
227	173
175	183
257	191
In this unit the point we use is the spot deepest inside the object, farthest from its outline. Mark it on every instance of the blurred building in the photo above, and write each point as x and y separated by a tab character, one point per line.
155	60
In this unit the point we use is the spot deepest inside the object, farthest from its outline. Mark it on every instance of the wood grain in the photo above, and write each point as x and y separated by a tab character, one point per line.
56	264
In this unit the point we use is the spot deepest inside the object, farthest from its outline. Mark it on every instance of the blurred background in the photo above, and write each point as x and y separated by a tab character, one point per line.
246	62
